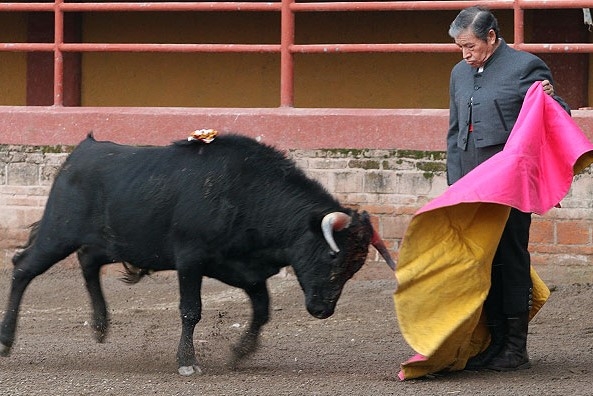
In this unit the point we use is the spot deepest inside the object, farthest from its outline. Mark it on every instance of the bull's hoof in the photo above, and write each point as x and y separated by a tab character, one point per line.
234	363
100	331
186	371
248	345
100	336
4	350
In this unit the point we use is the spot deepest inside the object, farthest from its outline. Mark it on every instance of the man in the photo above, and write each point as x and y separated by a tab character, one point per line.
487	89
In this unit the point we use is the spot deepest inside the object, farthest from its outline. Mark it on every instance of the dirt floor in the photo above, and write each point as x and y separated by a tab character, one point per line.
355	352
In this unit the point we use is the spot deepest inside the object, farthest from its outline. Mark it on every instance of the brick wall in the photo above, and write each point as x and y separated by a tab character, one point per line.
390	184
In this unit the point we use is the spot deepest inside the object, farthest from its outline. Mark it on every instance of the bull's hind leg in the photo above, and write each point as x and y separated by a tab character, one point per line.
28	264
91	260
249	342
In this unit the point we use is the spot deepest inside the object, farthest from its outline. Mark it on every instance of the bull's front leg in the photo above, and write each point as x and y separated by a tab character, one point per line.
190	308
249	342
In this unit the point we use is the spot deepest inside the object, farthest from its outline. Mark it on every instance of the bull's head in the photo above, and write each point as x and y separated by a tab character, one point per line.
337	221
339	251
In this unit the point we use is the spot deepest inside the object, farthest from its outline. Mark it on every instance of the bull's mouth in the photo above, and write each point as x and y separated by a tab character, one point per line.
321	312
322	315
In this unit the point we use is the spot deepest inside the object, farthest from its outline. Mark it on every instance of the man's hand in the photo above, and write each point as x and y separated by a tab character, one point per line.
548	87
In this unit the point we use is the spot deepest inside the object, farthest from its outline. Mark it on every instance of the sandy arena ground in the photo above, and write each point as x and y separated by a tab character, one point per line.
355	352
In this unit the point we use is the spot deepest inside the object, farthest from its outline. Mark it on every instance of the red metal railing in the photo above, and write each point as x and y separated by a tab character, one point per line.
287	46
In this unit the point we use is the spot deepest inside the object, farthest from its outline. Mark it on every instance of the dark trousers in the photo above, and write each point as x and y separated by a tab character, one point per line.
511	288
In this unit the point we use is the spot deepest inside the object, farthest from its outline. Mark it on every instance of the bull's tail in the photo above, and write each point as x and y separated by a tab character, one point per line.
133	275
32	236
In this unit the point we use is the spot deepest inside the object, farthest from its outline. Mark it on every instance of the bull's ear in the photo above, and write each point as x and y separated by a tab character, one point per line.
365	216
314	222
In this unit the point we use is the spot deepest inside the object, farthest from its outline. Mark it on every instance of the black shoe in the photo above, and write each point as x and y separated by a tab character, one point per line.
514	354
497	342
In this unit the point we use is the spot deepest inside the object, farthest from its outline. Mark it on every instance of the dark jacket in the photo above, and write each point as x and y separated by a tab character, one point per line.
494	96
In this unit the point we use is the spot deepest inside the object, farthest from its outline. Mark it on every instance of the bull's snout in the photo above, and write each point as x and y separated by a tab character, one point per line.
321	313
321	309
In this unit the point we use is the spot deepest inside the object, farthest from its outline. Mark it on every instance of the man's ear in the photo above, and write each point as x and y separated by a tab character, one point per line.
491	36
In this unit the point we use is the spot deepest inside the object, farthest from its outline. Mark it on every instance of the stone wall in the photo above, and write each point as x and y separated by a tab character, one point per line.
390	184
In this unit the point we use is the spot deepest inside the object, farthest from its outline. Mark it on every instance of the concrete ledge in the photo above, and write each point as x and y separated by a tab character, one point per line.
285	128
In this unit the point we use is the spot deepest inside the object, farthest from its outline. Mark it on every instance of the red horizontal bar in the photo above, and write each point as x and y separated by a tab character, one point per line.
436	5
298	7
151	47
173	6
144	6
275	48
555	48
343	48
545	4
27	47
396	5
26	7
303	48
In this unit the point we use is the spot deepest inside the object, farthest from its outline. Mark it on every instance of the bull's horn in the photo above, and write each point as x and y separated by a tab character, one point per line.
378	243
331	222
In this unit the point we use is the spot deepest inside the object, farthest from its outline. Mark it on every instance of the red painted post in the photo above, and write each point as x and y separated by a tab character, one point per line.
518	27
286	56
58	55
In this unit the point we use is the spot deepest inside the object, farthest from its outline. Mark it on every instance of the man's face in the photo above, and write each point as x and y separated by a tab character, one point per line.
475	51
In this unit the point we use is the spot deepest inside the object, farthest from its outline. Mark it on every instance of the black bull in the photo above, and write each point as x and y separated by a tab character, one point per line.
234	210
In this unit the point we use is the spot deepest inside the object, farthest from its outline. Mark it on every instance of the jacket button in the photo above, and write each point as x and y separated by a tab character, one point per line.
476	87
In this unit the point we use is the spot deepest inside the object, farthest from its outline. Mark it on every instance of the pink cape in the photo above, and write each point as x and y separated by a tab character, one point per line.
444	263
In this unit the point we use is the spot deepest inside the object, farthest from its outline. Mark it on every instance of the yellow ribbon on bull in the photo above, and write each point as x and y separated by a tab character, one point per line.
205	135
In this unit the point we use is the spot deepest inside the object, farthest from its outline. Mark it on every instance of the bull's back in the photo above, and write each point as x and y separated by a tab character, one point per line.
118	198
138	202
